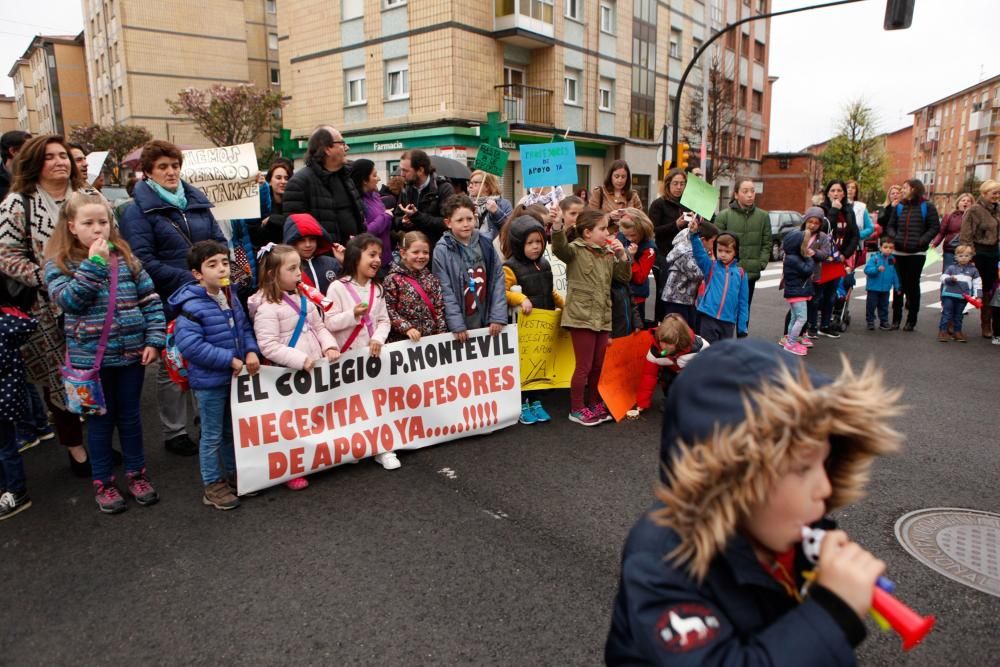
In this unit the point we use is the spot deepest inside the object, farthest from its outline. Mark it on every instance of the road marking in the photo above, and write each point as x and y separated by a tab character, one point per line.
447	472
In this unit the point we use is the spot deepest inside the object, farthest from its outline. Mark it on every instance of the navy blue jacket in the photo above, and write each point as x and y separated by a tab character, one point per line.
161	235
796	271
210	338
745	617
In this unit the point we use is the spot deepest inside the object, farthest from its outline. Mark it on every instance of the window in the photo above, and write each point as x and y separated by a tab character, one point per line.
745	46
755	149
758	50
275	76
738	148
574	10
742	101
397	79
695	45
644	10
352	9
272	40
354	82
731	40
606	94
757	101
270	6
389	4
571	86
608	17
675	44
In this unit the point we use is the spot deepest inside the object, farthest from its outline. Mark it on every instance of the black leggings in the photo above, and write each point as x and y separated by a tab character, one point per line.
908	268
987	267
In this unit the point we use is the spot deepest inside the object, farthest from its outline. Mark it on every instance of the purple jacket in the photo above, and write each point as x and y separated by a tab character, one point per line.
379	223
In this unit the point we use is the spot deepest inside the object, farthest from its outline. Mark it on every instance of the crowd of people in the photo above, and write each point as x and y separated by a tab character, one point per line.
335	263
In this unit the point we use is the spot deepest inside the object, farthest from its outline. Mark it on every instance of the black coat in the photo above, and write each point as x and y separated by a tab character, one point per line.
847	244
308	191
428	201
663	212
911	231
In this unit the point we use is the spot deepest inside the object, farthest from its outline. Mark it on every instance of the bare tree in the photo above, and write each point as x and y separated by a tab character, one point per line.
723	121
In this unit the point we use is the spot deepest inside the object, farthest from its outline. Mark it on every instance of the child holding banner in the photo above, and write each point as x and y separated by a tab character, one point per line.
412	293
593	260
290	332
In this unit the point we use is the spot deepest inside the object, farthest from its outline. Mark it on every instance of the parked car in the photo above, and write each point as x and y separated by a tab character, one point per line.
782	222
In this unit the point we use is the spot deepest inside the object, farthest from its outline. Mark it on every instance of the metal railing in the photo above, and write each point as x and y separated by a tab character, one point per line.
525	105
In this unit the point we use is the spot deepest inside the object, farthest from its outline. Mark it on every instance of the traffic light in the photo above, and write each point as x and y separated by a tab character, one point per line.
898	14
683	152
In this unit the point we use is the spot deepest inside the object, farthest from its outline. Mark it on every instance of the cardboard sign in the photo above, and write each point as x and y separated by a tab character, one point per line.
548	164
621	374
289	423
546	350
95	163
491	159
701	197
228	177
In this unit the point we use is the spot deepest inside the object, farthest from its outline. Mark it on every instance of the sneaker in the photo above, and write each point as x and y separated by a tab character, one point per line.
541	415
996	340
806	342
783	340
871	326
895	325
884	326
46	433
829	333
297	484
26	442
909	326
220	496
795	348
11	503
527	414
943	336
811	332
600	410
181	445
389	460
959	337
140	489
109	498
585	417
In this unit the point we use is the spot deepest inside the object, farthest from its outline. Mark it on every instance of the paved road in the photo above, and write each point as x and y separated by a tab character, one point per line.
498	550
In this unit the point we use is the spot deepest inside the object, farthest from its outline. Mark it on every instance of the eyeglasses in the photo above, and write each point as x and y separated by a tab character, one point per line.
338	141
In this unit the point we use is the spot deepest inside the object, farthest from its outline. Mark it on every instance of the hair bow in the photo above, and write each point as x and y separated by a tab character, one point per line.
263	251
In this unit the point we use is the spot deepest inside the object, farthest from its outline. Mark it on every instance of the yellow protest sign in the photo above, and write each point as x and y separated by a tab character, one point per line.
547	359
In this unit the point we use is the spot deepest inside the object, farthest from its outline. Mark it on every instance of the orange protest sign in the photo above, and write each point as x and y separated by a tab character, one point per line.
622	371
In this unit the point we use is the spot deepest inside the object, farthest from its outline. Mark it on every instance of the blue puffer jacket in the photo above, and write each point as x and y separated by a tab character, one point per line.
881	281
83	296
727	292
161	235
796	271
209	337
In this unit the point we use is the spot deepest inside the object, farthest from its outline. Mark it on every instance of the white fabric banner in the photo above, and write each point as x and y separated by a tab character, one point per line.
228	177
289	423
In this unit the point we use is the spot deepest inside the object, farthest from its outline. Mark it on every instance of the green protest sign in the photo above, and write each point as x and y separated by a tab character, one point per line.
491	159
700	197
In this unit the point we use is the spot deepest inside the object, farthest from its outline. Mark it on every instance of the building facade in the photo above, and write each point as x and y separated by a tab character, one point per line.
790	181
24	95
8	114
139	54
899	149
956	141
58	81
401	74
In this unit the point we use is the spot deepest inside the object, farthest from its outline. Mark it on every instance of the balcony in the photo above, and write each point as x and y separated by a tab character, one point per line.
983	158
525	105
524	23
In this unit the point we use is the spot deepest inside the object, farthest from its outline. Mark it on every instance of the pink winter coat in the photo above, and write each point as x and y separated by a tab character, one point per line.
340	319
274	324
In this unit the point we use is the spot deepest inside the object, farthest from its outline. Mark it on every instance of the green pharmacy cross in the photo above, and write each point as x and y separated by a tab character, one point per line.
494	130
285	145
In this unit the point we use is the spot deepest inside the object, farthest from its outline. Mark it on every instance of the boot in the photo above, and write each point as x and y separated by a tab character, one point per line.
986	321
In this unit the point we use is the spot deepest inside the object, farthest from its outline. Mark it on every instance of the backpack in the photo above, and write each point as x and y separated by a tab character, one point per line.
173	361
923	210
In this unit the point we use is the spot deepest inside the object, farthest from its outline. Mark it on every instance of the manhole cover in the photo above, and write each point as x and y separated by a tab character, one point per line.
963	545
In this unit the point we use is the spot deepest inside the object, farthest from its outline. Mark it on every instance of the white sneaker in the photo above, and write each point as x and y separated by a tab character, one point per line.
388	460
996	340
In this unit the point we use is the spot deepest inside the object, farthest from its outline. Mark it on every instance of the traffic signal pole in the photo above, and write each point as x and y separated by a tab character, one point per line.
675	143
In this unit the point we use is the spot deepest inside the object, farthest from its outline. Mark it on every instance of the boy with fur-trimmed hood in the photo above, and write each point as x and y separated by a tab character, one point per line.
755	446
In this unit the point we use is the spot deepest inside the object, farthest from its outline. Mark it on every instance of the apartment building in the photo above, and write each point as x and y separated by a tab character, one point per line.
956	141
24	95
140	53
58	82
399	74
8	114
899	149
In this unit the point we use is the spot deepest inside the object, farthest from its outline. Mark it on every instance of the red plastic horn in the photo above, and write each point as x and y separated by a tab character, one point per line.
908	624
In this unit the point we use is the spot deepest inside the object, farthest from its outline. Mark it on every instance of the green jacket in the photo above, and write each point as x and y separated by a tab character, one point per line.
753	228
589	272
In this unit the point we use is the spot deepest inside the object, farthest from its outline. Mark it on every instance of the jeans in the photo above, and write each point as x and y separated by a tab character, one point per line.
952	312
37	416
216	453
11	463
798	319
122	392
589	348
821	305
877	301
908	268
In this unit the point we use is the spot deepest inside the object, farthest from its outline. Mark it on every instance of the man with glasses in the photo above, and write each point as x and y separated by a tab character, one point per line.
324	187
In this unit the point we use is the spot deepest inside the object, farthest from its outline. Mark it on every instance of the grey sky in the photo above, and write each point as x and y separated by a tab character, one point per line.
822	57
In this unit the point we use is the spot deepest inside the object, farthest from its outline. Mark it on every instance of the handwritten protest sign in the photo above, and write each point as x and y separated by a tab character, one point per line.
548	164
700	197
289	423
491	159
620	374
228	177
558	271
547	359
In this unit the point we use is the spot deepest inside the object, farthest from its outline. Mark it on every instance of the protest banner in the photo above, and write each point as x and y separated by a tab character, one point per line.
228	177
548	164
491	159
289	423
700	196
546	350
620	374
558	270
